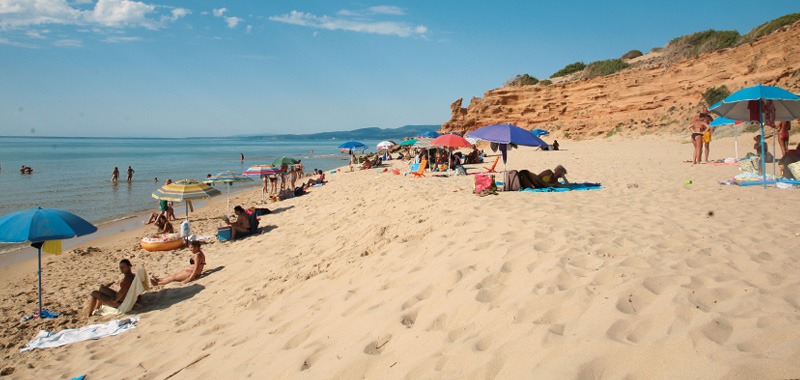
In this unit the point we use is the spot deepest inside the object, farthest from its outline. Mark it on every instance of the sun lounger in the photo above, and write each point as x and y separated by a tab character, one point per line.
420	172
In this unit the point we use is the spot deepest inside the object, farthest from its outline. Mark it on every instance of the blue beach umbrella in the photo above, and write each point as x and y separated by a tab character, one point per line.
759	103
505	134
430	134
351	145
540	132
39	225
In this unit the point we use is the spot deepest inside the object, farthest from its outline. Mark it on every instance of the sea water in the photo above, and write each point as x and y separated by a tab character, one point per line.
74	174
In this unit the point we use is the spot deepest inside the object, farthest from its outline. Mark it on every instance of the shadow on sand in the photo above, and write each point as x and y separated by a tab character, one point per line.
164	298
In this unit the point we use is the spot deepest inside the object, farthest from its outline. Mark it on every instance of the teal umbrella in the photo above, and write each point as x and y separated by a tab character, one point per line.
39	225
408	142
284	161
228	178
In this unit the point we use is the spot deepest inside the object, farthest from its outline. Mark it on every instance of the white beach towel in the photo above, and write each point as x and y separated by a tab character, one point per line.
46	339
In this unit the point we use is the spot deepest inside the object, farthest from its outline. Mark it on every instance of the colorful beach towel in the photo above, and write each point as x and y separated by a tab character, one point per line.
46	339
572	186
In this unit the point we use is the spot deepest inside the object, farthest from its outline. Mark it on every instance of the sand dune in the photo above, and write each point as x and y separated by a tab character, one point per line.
376	275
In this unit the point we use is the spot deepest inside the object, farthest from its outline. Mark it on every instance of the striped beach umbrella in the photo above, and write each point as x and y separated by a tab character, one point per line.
259	170
228	178
185	190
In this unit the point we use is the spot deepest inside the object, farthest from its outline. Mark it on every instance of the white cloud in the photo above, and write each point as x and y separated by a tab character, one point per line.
219	12
178	13
6	41
117	13
116	39
387	10
249	29
349	21
233	21
68	42
16	14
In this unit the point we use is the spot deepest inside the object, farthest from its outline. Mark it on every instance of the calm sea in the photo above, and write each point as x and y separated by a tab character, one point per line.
74	174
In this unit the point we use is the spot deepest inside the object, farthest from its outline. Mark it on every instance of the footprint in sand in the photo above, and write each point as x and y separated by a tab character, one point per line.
297	340
408	319
376	347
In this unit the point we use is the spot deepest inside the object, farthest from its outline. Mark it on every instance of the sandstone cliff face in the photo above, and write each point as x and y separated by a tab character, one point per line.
653	97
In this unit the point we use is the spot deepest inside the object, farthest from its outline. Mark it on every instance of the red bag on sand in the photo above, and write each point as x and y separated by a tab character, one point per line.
482	182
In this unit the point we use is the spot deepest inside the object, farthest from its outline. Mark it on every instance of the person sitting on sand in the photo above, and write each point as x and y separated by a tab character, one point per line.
164	226
196	264
547	178
107	296
241	226
366	165
791	156
757	148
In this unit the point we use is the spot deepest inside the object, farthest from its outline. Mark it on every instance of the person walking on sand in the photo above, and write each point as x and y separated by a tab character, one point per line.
698	127
115	175
130	173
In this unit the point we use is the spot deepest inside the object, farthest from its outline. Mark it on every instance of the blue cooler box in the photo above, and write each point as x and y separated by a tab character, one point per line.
224	233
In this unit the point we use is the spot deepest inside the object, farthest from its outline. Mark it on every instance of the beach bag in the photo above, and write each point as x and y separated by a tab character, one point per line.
186	230
512	181
794	168
482	182
460	170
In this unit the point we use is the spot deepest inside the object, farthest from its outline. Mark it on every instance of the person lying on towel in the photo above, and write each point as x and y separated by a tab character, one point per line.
107	296
547	178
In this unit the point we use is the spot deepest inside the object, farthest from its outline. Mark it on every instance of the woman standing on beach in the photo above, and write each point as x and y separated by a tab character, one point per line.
783	135
698	127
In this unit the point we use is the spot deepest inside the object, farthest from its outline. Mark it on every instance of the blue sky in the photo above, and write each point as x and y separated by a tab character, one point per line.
175	68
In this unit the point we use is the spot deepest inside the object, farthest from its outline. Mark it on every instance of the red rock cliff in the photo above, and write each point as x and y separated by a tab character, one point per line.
654	96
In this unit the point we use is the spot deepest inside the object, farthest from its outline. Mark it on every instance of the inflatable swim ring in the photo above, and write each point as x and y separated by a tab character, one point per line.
162	242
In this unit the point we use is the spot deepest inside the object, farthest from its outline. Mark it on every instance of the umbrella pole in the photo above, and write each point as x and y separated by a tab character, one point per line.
40	282
774	153
229	198
735	143
763	162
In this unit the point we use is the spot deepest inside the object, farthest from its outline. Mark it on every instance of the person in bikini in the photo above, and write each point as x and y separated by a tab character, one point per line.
698	127
107	296
706	117
547	178
196	264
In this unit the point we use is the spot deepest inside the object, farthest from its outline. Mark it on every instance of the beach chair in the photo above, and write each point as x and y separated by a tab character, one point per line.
494	165
141	284
420	172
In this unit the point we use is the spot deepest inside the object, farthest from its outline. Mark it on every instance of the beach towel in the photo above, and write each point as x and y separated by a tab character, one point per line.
140	284
46	339
572	186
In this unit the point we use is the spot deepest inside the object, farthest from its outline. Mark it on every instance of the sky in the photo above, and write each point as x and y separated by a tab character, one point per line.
171	68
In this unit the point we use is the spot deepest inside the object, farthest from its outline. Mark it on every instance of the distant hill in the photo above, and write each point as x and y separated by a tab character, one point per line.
372	133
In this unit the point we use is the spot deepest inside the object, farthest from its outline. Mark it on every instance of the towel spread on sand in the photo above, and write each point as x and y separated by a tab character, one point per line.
572	186
46	339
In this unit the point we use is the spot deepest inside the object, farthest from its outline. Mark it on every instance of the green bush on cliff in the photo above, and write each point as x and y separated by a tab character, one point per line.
607	67
695	44
715	94
632	54
522	80
769	27
569	69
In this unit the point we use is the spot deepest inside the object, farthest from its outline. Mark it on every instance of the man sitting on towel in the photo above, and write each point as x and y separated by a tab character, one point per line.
107	296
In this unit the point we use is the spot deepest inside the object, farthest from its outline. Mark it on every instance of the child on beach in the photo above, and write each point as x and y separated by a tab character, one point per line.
196	264
107	296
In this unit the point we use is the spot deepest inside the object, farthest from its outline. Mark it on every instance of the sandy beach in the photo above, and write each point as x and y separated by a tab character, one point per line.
377	275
